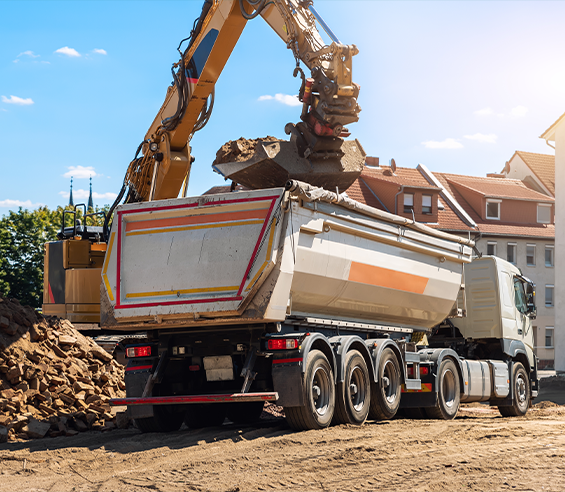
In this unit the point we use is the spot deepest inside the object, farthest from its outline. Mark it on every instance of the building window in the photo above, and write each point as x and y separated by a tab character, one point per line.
493	209
511	252
544	213
531	254
549	337
549	255
549	296
535	332
427	204
408	203
491	248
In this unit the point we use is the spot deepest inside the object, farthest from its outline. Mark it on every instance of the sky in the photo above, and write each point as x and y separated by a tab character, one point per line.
458	86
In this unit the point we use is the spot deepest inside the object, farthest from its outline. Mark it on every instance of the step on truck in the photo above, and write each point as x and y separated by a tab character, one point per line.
302	297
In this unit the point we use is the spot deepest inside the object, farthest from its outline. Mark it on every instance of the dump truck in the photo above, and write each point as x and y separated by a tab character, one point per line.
289	292
309	299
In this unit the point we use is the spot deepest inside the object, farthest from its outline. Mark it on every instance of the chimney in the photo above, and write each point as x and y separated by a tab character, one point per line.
372	161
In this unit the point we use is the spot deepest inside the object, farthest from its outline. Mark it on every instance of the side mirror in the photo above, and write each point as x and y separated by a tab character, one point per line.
531	302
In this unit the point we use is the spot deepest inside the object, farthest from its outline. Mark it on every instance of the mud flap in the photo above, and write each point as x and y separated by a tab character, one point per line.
135	384
287	382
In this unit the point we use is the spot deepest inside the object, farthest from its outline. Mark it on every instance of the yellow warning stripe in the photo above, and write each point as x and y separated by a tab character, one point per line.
106	262
266	262
182	291
426	388
192	228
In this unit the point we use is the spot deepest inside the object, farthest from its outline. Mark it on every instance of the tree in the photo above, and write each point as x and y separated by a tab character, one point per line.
22	236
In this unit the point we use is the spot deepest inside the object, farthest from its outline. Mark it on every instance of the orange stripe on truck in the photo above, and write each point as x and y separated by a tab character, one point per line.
196	219
384	277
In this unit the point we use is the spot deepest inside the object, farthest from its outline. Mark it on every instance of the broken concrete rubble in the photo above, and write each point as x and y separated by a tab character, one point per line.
53	380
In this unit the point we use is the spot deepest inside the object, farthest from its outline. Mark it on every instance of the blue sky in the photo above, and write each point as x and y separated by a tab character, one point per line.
457	86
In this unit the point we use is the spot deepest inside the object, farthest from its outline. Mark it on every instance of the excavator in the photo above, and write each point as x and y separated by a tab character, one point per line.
316	153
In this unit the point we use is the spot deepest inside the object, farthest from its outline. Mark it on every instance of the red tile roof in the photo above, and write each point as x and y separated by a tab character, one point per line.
498	228
543	167
359	191
497	187
402	176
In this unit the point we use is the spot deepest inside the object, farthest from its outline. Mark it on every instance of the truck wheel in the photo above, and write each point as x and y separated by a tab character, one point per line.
166	418
245	413
319	395
448	393
353	397
521	400
385	399
199	415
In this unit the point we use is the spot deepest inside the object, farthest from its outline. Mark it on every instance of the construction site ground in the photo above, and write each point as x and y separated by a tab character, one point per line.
479	450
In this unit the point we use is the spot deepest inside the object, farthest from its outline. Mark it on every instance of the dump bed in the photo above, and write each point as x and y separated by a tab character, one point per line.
260	256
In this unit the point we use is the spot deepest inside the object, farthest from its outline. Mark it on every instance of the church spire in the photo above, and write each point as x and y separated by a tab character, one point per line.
90	201
71	203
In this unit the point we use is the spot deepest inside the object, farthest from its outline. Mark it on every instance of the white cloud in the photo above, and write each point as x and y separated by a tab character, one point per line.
282	98
68	51
519	111
484	112
100	51
18	203
17	100
29	53
480	137
448	143
79	194
80	172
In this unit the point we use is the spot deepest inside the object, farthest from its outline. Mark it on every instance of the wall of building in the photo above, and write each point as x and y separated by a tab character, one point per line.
419	216
560	246
542	276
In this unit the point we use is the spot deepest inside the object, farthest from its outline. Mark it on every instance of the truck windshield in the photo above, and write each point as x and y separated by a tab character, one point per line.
520	296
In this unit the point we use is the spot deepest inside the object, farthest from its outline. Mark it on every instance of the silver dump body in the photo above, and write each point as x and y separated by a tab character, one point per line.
260	256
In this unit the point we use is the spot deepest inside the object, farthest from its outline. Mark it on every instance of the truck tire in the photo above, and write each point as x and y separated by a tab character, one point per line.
199	415
448	392
521	401
166	418
245	413
353	397
319	395
385	399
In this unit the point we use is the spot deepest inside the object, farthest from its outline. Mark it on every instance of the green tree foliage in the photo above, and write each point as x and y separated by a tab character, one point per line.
22	236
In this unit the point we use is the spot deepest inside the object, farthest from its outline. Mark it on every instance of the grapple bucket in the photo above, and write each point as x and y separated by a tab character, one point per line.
270	163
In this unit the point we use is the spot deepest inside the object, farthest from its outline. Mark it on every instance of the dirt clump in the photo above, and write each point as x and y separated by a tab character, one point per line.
240	150
53	380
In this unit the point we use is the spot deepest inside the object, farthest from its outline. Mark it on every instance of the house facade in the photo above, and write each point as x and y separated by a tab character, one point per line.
555	137
504	216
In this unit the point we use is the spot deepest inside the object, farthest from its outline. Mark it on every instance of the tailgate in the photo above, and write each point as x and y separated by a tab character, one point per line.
205	254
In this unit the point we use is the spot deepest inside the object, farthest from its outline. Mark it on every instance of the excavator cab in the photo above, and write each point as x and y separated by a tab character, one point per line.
72	270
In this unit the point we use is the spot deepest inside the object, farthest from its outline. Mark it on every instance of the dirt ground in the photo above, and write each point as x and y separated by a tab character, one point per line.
478	451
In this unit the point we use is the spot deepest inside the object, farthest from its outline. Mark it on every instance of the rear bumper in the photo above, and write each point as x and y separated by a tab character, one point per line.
183	400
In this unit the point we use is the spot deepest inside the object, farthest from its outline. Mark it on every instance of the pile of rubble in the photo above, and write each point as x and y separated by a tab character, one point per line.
53	380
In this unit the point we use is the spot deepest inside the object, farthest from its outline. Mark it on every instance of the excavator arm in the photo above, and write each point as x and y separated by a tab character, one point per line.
329	96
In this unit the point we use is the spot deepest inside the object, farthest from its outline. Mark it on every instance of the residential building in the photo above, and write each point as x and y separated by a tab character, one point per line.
555	137
537	171
504	216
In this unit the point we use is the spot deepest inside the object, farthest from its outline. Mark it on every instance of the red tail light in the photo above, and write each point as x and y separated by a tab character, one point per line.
282	344
424	371
138	351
